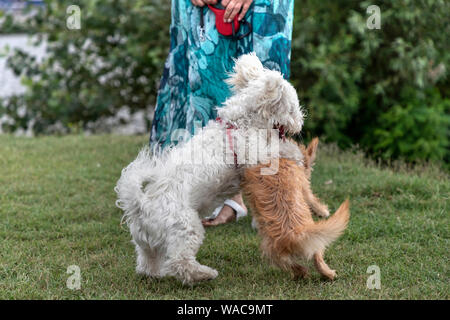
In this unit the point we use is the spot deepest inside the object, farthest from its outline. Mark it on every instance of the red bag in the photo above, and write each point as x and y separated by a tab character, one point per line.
225	28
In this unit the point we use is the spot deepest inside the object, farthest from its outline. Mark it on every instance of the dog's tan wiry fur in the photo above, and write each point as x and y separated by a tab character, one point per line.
282	206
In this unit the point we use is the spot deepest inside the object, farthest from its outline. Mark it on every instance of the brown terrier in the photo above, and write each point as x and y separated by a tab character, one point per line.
281	205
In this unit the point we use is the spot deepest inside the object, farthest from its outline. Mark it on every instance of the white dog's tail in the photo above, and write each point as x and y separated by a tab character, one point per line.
316	237
129	188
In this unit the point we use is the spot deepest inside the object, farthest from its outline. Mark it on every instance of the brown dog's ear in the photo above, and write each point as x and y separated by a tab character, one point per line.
310	155
312	149
302	148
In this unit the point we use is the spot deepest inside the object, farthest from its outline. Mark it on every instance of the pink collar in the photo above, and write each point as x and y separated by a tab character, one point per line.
230	138
230	126
281	131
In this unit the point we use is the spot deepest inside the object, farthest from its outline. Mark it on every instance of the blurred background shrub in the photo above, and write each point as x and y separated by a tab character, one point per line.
386	90
115	60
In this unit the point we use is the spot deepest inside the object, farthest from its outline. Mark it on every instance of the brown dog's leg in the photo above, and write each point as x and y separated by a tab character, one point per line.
322	267
299	271
316	206
309	154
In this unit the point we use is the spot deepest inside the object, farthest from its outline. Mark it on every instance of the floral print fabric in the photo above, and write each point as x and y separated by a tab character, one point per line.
192	85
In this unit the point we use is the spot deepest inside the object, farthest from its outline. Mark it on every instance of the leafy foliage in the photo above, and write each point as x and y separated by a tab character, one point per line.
357	83
386	89
113	61
416	130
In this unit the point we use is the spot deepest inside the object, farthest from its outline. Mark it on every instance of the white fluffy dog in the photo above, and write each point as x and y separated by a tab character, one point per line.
164	195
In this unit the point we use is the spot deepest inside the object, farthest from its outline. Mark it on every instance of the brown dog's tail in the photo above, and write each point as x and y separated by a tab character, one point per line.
318	236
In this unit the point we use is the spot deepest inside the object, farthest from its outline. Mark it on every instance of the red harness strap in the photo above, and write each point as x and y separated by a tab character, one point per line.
230	138
281	133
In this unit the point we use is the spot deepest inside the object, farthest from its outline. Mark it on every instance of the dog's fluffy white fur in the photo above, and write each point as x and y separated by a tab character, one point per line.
164	198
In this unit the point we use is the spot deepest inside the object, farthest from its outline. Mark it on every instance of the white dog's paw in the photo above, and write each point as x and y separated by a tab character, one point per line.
202	273
205	273
143	270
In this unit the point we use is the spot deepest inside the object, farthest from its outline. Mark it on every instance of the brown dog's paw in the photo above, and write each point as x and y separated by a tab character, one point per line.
300	272
323	212
329	275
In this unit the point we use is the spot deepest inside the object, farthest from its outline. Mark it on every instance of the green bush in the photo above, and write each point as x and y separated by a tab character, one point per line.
356	83
8	25
383	89
114	60
417	130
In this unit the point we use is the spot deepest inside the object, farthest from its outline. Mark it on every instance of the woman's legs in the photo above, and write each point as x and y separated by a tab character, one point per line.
227	214
271	40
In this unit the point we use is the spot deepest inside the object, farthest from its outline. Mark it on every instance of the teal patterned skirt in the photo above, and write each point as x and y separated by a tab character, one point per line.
192	85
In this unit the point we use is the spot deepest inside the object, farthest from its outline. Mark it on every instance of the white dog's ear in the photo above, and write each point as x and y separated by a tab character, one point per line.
280	102
247	67
273	85
273	94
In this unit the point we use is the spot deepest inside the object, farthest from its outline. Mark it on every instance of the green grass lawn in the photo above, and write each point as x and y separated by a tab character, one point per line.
57	209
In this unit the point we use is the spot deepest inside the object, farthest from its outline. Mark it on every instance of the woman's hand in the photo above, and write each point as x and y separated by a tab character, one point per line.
199	3
233	7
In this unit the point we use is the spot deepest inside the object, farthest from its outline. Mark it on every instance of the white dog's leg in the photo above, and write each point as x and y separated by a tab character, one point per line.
148	261
183	244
